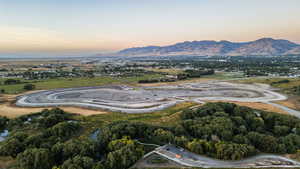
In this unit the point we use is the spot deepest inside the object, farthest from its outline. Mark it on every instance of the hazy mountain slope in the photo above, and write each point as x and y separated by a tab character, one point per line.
265	46
293	51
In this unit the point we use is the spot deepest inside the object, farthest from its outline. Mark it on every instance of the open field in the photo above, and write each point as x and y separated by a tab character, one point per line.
203	79
277	82
55	83
12	111
168	117
284	85
169	71
72	82
289	103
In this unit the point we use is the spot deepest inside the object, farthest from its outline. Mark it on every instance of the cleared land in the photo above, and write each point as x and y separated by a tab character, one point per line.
10	110
148	99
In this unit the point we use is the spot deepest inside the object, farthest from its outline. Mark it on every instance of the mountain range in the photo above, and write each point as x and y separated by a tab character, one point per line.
260	47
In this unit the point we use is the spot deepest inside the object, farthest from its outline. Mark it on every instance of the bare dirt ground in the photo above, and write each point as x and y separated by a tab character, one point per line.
8	108
11	111
292	102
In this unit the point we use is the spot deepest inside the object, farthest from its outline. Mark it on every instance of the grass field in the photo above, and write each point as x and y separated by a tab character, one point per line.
169	71
272	81
167	117
98	81
73	82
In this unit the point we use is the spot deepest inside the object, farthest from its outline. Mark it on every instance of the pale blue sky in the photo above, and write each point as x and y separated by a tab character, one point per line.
83	27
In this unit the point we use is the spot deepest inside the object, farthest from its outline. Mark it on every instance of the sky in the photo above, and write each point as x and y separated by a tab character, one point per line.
87	27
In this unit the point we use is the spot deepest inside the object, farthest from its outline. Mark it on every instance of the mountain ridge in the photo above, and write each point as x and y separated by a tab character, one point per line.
262	47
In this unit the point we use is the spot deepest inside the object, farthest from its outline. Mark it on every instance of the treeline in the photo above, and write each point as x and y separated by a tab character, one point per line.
240	131
50	139
157	80
254	66
194	73
190	73
220	130
11	81
26	86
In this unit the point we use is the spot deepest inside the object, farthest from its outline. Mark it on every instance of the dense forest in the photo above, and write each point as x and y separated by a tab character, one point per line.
52	138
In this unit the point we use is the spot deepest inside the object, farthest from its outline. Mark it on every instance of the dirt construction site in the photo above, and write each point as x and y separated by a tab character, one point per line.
149	99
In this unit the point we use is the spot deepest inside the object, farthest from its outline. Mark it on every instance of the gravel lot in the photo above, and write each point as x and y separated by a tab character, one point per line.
148	99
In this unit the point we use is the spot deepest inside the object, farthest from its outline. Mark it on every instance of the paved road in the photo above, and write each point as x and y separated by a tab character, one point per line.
286	109
189	159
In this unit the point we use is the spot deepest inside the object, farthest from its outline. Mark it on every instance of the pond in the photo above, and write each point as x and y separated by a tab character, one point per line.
94	135
3	135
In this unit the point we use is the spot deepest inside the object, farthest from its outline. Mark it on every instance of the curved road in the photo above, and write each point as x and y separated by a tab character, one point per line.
190	159
149	99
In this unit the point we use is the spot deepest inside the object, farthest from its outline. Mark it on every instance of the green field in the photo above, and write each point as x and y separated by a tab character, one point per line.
168	117
286	85
96	81
73	82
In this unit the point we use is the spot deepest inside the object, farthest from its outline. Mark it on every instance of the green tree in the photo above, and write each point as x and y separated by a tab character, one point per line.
231	151
281	130
79	162
29	86
163	136
11	147
200	146
35	159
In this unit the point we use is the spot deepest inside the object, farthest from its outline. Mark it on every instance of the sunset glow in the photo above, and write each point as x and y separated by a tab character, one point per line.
62	27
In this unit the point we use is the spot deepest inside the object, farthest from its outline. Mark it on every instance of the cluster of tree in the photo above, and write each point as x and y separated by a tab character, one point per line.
191	73
149	81
157	80
253	65
49	139
252	130
17	142
44	119
251	72
31	75
3	122
29	87
127	70
194	73
280	82
221	130
295	90
11	81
